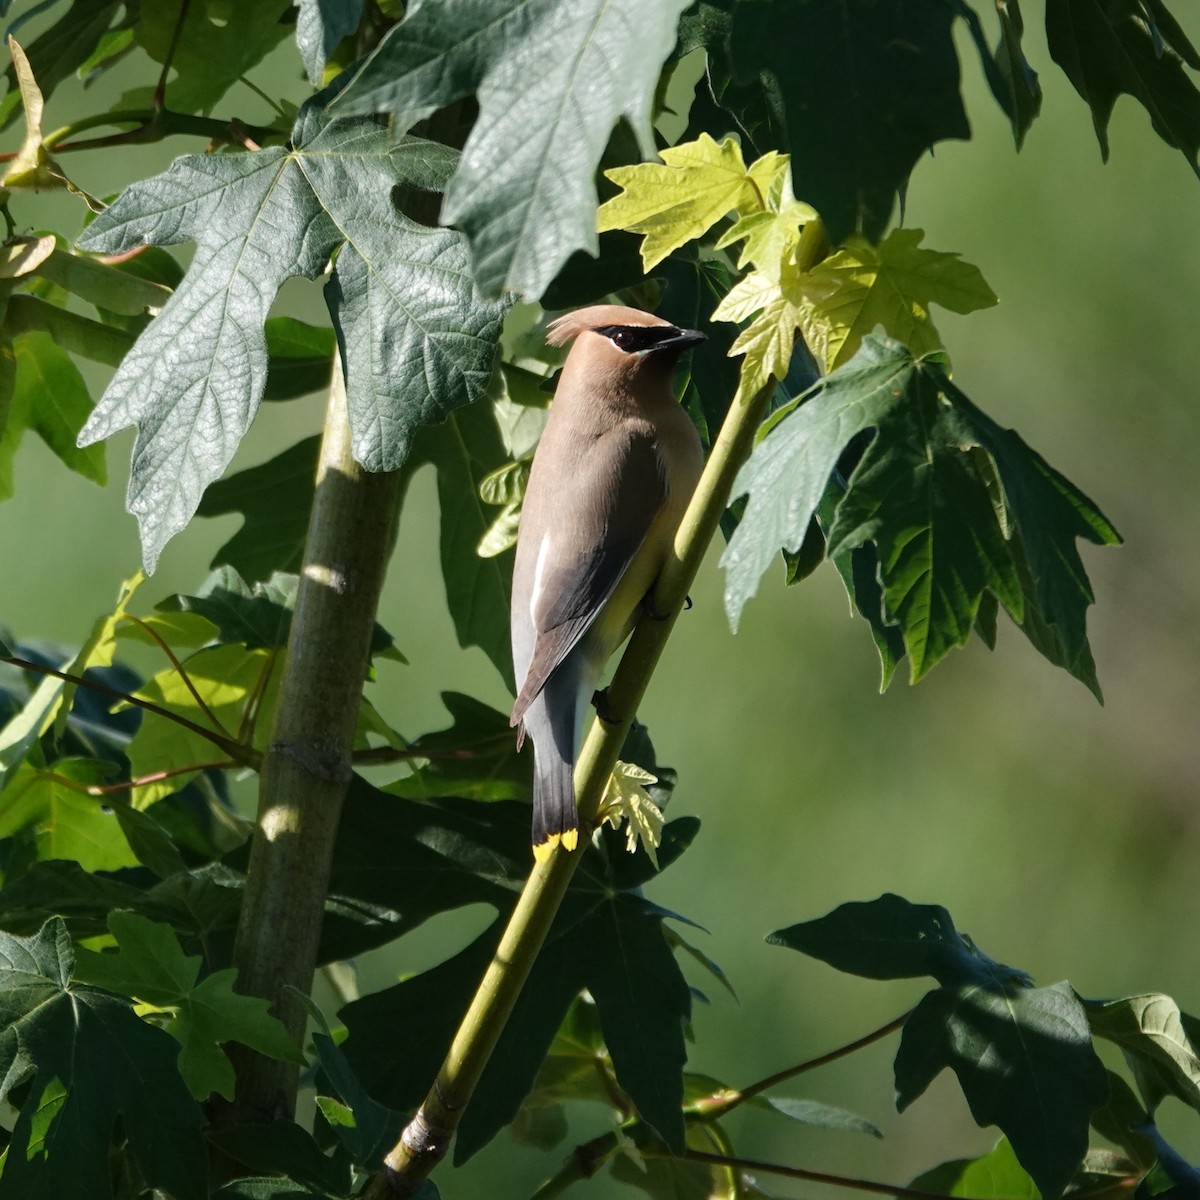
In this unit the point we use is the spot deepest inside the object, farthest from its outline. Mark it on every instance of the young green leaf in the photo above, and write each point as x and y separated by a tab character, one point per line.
282	213
893	284
859	61
67	822
996	1175
679	201
524	192
150	966
89	1061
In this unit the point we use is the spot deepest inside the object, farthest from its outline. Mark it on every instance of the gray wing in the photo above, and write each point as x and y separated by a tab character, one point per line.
598	525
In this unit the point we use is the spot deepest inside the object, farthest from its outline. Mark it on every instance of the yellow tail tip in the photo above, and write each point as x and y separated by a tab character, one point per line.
568	840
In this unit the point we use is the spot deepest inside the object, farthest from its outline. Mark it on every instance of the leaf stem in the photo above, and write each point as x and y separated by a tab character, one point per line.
148	629
727	1102
427	1137
160	91
240	754
846	1181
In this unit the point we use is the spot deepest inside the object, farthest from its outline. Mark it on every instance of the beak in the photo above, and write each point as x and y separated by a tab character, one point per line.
682	340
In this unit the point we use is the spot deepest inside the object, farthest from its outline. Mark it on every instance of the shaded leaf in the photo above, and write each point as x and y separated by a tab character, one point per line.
524	191
284	1148
1012	80
996	1175
1107	50
1024	1059
320	25
89	1061
880	87
275	499
216	46
149	965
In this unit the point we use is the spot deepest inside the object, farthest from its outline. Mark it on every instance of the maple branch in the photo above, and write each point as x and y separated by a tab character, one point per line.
148	629
427	1137
241	755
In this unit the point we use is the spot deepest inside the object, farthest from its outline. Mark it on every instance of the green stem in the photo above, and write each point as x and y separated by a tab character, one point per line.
306	768
717	1107
128	116
427	1137
243	755
160	91
846	1181
173	659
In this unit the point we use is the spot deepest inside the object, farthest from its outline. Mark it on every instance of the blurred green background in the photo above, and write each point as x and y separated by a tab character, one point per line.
1060	834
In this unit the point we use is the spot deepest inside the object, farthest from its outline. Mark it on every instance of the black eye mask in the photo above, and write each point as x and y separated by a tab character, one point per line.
636	339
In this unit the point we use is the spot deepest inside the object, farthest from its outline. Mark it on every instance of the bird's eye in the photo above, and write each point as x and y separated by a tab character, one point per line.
623	339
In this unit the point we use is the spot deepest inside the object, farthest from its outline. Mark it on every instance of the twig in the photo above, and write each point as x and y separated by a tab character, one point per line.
126	785
160	92
242	755
726	1102
846	1181
254	701
148	629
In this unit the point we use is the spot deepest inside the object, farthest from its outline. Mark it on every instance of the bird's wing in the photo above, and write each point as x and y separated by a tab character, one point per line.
602	521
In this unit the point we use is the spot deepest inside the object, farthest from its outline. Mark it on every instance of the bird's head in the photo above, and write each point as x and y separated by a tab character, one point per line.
622	349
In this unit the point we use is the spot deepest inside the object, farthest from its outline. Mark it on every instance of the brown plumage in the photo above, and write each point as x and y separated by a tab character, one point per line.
611	478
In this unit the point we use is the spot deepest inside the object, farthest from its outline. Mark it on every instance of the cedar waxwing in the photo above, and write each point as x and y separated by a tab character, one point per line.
614	470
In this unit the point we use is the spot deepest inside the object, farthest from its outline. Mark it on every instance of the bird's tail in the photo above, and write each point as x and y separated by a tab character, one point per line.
554	816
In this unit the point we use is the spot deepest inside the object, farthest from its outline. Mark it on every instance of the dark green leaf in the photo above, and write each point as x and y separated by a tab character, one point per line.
920	498
787	475
284	1148
217	45
270	1187
282	213
859	572
475	758
880	87
1121	1118
524	192
1172	1176
275	499
301	358
464	450
90	1061
606	938
586	278
891	938
1109	49
1048	513
320	25
1024	1059
1013	81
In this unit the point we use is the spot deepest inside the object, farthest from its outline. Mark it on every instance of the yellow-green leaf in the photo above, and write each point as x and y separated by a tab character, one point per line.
767	342
893	285
626	799
696	185
770	238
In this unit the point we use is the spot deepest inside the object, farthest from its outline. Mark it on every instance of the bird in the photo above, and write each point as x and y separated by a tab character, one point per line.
614	469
